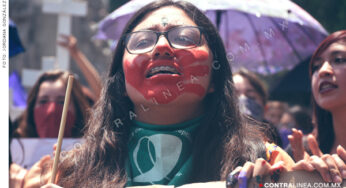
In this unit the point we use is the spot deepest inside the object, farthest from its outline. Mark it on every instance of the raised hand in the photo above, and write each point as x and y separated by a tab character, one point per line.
69	42
38	174
313	145
331	167
87	68
296	141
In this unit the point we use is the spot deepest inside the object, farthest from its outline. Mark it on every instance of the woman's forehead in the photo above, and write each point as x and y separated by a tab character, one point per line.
338	46
334	49
52	87
164	18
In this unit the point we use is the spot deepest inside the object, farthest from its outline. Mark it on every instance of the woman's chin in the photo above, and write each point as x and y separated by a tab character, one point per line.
331	104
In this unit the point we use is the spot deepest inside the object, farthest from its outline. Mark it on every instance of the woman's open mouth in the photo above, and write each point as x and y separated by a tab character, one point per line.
326	87
166	70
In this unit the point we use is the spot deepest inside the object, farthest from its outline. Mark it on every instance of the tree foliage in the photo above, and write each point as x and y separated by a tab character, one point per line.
330	13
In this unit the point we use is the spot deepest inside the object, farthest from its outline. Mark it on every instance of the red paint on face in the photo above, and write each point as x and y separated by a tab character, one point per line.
192	64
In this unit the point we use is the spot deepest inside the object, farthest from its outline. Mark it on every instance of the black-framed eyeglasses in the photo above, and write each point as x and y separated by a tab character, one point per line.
182	37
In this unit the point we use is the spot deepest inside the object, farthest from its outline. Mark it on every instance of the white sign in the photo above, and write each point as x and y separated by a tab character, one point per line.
27	151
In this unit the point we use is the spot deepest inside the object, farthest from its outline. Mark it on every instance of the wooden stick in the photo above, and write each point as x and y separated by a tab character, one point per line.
62	127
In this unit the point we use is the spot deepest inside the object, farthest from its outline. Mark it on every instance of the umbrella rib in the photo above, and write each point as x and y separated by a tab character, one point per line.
258	41
287	39
306	33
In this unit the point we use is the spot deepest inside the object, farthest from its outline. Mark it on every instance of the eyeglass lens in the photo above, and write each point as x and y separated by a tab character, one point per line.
179	37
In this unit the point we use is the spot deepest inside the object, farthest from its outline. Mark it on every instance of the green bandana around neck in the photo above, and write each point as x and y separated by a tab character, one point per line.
161	154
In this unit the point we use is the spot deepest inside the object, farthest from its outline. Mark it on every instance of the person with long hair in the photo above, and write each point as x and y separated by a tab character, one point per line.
42	116
328	81
168	113
327	71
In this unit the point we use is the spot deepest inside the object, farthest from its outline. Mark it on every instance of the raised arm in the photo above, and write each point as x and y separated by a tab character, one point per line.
88	70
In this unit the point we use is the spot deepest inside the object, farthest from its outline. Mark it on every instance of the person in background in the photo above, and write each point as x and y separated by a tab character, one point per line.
45	102
296	120
327	70
328	82
274	110
20	177
252	96
297	117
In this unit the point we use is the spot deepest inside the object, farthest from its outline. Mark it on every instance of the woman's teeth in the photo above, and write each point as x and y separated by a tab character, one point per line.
162	70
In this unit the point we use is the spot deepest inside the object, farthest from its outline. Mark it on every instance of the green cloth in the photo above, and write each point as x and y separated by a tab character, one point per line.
161	154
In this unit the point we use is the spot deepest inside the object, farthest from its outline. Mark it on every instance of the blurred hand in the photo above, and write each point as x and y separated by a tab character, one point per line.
17	174
331	167
341	152
39	174
340	159
258	170
296	141
69	42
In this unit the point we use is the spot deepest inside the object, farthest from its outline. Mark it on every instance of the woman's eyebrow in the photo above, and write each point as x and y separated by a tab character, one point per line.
157	27
42	97
337	52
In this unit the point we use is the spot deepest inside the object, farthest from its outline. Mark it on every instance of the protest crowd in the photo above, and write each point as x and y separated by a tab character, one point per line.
180	103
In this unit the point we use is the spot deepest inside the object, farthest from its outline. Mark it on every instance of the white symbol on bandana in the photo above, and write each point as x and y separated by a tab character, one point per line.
167	149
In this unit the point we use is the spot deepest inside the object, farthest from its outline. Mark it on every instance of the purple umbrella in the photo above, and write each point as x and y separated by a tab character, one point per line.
264	36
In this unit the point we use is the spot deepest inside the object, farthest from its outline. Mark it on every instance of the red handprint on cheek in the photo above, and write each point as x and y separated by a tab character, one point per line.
188	72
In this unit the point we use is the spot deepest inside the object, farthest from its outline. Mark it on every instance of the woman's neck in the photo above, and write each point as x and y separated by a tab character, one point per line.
339	125
167	114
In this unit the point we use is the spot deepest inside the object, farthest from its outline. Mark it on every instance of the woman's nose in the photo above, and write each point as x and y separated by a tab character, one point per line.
51	107
326	69
162	48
